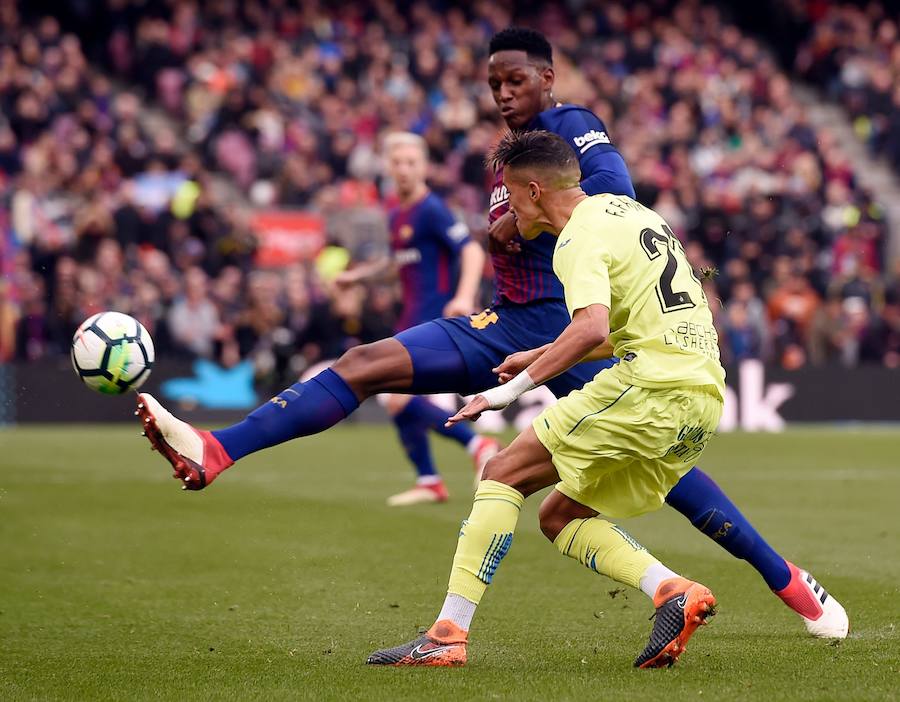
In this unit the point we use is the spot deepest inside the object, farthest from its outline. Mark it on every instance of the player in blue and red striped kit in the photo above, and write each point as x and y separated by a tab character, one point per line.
439	266
460	354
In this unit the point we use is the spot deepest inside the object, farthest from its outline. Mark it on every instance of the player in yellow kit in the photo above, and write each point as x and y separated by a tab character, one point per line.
620	444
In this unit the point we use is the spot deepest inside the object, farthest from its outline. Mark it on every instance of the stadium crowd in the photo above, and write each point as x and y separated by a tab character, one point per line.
131	158
853	54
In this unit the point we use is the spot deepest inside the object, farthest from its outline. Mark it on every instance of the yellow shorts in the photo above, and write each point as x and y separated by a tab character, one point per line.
619	449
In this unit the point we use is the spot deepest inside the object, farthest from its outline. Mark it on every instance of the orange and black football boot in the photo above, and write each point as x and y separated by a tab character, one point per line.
444	644
681	606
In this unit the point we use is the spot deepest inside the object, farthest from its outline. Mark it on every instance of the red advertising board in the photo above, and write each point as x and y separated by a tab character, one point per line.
287	236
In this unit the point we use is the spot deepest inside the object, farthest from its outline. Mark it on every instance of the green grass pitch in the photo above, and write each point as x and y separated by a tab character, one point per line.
277	581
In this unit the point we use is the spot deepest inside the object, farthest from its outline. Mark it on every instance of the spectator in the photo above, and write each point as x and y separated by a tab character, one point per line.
854	55
8	320
742	339
193	319
33	333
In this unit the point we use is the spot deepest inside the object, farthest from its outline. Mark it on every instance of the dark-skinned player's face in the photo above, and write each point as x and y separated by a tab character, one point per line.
520	85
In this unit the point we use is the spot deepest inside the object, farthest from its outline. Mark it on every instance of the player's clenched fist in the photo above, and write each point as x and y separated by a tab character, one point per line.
502	235
460	307
515	363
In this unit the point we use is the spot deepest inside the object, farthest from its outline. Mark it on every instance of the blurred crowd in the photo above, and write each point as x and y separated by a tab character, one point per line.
853	54
132	157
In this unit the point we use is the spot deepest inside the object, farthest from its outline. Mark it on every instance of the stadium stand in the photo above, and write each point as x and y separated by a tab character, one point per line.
854	55
132	157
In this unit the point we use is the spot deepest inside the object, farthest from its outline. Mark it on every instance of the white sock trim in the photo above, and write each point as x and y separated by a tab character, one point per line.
426	480
473	444
653	576
458	610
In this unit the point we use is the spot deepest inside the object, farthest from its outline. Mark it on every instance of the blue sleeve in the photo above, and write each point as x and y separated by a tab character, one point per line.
444	227
603	169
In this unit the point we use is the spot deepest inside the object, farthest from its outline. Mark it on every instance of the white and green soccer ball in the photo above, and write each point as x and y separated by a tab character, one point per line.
112	353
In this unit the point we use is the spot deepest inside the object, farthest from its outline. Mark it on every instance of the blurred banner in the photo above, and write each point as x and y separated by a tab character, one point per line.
759	398
287	236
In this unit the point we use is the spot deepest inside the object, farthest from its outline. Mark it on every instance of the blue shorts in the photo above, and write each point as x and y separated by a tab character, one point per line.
458	354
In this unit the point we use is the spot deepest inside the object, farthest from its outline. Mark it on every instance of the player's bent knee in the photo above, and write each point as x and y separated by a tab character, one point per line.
552	521
495	469
352	365
524	465
354	360
377	367
557	510
502	469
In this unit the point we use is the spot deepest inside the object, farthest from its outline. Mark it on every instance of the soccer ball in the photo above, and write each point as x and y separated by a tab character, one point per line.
112	353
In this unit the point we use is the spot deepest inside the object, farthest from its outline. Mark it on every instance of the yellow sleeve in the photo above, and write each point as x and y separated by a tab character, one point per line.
586	278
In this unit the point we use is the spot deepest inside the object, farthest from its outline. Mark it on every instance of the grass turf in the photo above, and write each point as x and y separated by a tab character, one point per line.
278	581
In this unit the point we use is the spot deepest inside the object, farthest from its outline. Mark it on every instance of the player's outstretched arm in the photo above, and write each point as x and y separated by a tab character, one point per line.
471	267
380	267
516	362
587	331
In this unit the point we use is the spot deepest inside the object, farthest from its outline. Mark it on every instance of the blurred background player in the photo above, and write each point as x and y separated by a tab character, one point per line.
440	270
460	354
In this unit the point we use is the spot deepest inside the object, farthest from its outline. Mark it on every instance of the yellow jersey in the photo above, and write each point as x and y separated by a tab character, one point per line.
618	253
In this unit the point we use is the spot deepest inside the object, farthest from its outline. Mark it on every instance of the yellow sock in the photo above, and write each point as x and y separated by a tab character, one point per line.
605	548
484	538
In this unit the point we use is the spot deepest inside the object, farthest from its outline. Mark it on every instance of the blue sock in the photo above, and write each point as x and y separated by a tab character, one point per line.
413	432
303	409
434	417
699	499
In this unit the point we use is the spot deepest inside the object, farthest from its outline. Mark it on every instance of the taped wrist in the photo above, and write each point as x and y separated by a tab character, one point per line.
502	395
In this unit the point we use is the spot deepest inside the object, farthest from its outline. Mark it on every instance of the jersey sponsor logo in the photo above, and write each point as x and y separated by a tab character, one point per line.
407	257
499	197
458	232
483	320
691	442
428	649
693	336
589	139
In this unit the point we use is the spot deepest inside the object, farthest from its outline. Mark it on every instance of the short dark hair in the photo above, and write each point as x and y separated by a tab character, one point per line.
538	149
530	41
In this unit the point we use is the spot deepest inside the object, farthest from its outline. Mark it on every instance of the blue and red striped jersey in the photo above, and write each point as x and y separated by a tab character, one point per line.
528	275
426	240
